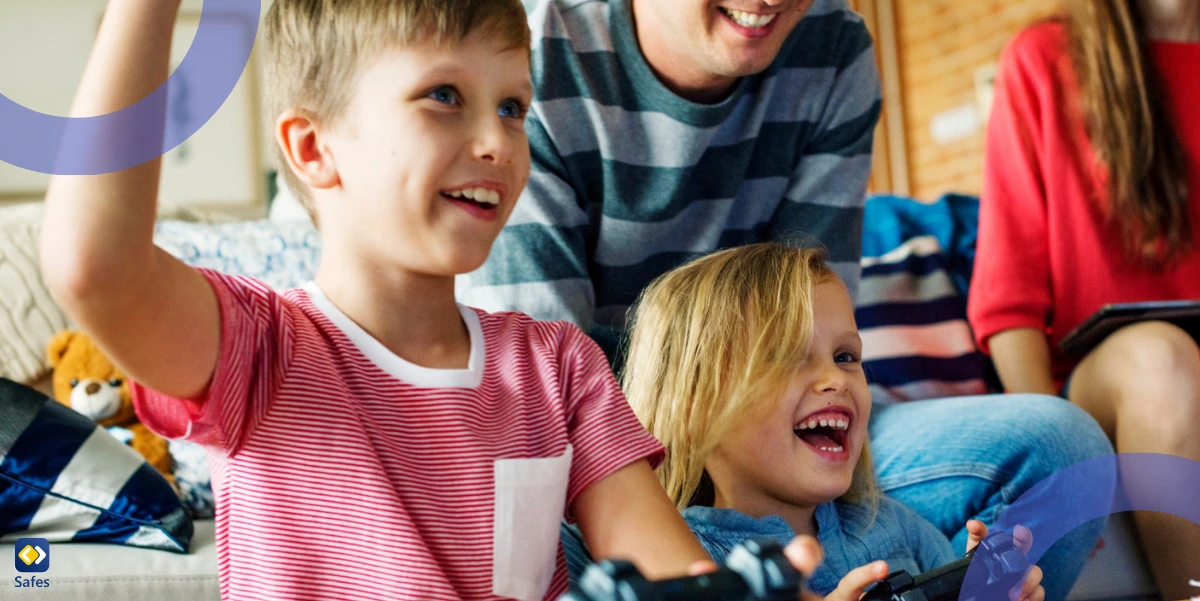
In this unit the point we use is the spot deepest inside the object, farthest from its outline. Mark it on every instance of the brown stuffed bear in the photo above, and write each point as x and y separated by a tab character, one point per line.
86	381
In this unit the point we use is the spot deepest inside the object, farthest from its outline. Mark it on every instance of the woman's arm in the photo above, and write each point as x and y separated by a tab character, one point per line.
1011	284
1022	358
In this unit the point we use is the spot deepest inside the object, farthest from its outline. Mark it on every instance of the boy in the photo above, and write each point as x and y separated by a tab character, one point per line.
370	438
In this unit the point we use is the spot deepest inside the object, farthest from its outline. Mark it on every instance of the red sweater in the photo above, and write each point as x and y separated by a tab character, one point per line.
1047	256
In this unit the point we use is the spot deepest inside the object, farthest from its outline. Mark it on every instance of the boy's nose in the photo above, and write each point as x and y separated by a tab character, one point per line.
492	143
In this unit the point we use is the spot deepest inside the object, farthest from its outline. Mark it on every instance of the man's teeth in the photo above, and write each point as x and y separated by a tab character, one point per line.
748	20
483	195
836	424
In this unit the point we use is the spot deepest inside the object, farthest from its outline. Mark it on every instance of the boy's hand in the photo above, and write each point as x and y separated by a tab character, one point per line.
1023	539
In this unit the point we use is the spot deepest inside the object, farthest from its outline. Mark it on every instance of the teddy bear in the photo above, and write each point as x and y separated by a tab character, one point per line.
88	382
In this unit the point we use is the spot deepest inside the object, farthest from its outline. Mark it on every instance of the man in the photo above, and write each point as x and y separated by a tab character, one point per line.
665	129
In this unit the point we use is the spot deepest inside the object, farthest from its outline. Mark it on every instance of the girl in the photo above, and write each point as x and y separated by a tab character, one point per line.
1091	192
746	365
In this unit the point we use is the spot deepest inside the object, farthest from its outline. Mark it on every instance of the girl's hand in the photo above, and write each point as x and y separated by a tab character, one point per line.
853	585
1023	539
804	553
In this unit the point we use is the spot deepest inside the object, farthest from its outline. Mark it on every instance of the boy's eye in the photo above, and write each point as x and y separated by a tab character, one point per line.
444	95
511	109
846	358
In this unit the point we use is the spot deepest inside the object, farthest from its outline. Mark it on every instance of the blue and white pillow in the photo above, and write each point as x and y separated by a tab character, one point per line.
190	468
912	300
281	255
64	478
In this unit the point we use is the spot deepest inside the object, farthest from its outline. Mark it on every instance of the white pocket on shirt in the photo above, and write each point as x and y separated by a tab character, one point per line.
531	498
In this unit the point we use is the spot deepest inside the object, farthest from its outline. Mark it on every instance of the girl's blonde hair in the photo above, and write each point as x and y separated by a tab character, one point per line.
713	346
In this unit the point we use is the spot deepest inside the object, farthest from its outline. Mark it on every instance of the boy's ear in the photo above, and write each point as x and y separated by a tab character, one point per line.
299	138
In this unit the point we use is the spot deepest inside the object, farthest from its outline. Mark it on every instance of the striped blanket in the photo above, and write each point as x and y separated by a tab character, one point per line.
912	299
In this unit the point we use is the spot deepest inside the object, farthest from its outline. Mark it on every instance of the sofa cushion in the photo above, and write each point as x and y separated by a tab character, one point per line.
63	478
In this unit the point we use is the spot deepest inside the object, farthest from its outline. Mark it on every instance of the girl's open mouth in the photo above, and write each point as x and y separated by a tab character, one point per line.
827	432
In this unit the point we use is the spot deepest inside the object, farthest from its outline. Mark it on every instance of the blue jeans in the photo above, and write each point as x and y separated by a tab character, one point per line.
967	458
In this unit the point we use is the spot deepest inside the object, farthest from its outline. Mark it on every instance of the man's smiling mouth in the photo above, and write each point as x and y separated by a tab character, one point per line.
747	20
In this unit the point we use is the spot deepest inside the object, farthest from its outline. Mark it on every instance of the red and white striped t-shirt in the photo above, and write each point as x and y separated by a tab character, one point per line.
342	471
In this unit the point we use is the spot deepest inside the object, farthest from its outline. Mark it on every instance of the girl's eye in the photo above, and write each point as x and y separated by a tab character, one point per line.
511	109
846	358
444	95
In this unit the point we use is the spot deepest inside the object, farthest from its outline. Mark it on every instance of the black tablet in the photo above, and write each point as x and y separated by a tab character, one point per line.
1110	318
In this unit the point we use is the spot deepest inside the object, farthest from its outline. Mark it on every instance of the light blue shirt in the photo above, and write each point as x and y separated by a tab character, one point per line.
848	536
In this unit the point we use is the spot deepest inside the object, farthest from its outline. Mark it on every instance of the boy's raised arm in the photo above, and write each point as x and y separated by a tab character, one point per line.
157	318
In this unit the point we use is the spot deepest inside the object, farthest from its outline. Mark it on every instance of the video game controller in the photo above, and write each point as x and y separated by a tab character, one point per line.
756	570
1006	567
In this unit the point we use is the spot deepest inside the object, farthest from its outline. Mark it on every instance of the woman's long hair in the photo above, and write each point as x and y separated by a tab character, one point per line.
1131	129
713	345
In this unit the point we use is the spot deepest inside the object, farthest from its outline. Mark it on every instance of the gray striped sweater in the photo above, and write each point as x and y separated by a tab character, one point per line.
629	180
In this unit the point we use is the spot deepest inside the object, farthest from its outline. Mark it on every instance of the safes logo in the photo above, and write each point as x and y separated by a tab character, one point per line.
33	554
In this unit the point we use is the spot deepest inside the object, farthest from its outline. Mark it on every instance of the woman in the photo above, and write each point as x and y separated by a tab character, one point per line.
1092	196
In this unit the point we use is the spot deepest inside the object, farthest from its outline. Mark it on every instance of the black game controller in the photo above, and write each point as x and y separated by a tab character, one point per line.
756	570
1006	567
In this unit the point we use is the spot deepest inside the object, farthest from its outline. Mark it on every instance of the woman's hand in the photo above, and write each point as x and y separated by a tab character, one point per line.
1023	539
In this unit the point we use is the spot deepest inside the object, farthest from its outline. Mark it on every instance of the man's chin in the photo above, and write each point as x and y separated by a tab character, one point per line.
746	64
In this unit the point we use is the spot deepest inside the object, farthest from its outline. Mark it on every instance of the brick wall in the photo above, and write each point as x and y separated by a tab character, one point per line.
941	44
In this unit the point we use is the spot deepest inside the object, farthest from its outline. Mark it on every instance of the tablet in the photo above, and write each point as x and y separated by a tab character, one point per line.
1110	318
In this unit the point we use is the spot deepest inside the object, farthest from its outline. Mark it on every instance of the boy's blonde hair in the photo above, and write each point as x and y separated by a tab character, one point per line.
316	48
714	344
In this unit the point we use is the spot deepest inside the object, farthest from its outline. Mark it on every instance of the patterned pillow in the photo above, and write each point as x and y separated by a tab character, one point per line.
912	306
64	478
190	469
282	255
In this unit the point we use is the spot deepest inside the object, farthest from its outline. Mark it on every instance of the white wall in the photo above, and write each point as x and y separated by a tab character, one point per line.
44	45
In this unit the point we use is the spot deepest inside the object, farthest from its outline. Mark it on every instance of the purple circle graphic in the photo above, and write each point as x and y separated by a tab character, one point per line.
135	134
1089	490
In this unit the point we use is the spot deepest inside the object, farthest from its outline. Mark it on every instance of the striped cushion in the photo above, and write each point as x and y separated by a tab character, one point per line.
64	478
912	306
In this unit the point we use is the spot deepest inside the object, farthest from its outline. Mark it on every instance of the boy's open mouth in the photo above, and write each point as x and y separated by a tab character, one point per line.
478	201
481	197
827	431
